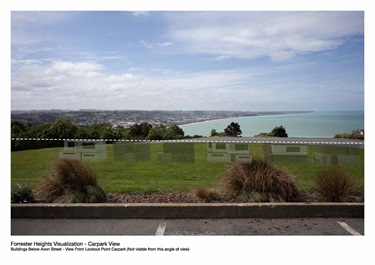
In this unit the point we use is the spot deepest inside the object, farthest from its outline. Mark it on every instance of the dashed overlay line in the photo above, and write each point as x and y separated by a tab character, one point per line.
195	141
161	229
349	229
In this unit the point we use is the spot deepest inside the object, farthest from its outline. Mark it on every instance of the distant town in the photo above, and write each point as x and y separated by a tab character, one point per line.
127	118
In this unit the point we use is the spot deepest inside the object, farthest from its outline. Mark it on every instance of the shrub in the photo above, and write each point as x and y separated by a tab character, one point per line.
336	185
207	195
357	134
70	181
22	194
279	131
233	130
260	180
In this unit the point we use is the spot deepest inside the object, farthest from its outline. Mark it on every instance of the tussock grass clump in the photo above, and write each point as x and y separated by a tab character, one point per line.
207	195
260	181
22	194
334	184
70	181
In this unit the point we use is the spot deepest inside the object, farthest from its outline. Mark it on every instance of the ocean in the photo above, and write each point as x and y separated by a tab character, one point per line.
313	124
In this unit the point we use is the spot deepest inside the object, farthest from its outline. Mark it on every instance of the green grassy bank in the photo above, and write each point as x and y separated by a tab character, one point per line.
152	176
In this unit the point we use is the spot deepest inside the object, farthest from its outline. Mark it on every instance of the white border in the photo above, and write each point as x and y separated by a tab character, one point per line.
212	250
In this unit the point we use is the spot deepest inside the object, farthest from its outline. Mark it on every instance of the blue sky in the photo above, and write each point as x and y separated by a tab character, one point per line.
249	61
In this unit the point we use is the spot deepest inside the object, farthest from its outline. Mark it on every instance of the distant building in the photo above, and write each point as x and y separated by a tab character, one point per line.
124	124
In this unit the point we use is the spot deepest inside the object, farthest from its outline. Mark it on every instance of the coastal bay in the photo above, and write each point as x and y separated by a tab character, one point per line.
324	124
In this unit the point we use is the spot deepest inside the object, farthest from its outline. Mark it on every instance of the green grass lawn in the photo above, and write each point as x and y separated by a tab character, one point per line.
151	176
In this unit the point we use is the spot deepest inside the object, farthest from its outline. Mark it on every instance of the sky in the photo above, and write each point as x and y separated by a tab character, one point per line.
180	60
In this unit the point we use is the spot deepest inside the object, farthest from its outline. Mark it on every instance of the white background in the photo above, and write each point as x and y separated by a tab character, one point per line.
205	249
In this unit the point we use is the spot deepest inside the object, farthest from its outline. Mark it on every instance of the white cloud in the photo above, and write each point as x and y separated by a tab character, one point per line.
75	68
42	81
278	35
219	58
141	13
151	45
68	85
86	85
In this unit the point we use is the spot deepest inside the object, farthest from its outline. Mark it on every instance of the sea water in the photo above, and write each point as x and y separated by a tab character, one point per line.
312	124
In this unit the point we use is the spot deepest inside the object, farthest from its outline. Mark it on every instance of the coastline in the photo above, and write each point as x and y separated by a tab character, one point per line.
317	124
251	116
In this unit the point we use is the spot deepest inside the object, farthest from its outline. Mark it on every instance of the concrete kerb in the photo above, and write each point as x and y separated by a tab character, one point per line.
188	210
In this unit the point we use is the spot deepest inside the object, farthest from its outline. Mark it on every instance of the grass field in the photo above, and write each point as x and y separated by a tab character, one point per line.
151	176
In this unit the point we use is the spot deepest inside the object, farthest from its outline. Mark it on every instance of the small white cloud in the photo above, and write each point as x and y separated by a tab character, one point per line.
219	58
81	67
151	45
164	44
141	13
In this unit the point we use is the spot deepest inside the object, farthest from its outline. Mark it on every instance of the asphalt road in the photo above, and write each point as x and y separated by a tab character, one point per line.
170	227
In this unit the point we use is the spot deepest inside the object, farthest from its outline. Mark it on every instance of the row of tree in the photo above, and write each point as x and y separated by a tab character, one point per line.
234	130
63	129
278	131
357	134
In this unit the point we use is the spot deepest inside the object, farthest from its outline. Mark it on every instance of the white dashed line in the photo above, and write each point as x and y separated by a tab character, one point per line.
193	141
349	229
161	229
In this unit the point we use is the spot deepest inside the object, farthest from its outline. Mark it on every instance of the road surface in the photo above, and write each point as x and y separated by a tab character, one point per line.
170	227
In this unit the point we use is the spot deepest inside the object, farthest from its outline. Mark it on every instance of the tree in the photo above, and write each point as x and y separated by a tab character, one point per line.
177	130
357	134
95	131
110	133
16	131
17	128
157	133
123	132
174	132
140	131
35	131
279	131
160	132
264	134
82	133
214	133
60	129
233	130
